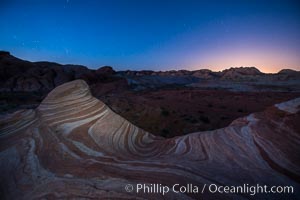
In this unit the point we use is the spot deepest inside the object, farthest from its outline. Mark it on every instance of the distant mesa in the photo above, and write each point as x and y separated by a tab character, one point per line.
4	53
288	72
243	70
19	75
105	70
240	73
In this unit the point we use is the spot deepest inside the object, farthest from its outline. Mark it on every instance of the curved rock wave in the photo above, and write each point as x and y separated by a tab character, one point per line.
74	146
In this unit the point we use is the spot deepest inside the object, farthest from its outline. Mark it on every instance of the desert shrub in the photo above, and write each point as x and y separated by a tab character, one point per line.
8	107
223	107
165	132
164	112
240	110
193	121
204	119
224	118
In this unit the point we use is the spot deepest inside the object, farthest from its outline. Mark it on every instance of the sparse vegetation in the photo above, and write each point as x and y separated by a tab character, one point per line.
191	119
8	107
224	118
240	110
165	132
164	112
204	119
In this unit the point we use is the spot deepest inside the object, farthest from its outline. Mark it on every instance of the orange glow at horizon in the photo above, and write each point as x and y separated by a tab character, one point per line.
271	62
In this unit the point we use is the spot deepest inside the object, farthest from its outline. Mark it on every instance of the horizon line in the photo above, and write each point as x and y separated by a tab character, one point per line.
160	70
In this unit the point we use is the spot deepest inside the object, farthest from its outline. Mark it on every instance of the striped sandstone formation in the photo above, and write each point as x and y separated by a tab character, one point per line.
74	146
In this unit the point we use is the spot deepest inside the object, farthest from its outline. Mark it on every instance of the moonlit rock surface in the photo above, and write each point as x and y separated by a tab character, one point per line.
292	106
74	146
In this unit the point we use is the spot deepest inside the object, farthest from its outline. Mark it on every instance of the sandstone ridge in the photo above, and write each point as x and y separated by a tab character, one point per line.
75	146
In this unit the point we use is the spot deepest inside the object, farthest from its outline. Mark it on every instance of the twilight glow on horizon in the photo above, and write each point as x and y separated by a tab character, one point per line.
154	35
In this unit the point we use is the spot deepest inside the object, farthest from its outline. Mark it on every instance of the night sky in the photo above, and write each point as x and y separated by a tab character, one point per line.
156	35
